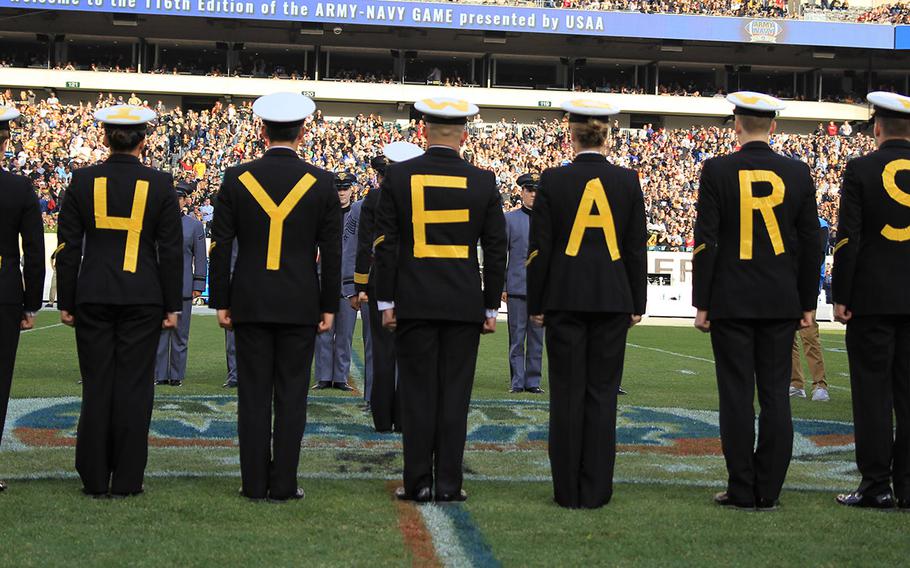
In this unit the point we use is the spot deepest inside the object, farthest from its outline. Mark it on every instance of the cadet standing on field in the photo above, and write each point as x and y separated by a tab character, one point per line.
279	210
119	272
170	367
525	340
383	400
587	282
433	211
20	288
334	348
755	280
871	275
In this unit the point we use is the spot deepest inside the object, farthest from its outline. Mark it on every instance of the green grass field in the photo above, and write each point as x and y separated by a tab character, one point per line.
661	514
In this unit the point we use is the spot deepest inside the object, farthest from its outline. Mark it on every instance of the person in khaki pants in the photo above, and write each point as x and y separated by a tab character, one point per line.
811	341
813	349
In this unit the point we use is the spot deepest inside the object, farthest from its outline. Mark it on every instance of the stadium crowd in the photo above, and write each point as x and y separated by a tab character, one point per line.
52	139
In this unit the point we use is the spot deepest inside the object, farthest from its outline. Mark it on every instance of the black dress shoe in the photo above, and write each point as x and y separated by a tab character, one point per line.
423	495
621	391
299	494
723	499
245	496
229	385
534	390
515	390
901	503
766	504
342	387
176	383
322	385
2	486
459	497
858	499
160	382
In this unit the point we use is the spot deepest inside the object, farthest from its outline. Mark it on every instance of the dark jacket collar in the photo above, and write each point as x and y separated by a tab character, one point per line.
895	143
443	152
590	157
525	210
756	145
281	153
123	159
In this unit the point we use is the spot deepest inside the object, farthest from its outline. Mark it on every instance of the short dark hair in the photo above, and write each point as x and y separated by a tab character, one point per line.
124	139
753	124
893	126
282	131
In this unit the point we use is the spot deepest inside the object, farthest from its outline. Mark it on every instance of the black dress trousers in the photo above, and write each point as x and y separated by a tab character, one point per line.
384	400
116	347
750	353
10	317
273	370
879	353
585	352
436	361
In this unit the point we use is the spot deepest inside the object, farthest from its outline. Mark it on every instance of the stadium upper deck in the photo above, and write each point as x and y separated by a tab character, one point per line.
514	57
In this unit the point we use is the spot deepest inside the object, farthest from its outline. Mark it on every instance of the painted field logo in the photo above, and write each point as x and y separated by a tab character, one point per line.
765	31
337	423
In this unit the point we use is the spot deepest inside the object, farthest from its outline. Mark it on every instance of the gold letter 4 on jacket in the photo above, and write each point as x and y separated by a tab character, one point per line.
277	213
889	176
422	217
748	203
585	219
132	224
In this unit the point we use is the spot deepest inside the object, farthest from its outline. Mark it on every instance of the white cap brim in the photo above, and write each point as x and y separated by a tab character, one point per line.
8	113
446	108
401	151
759	102
589	107
890	101
125	115
284	107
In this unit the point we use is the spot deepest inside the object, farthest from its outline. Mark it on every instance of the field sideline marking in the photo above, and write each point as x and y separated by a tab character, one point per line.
336	476
706	360
40	328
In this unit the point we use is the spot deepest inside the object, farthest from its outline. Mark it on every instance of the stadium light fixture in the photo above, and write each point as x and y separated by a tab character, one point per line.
494	37
671	47
126	20
822	55
312	29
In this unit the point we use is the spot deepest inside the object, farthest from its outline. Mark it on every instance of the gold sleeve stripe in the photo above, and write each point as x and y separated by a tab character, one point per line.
699	248
59	248
361	278
379	240
212	247
531	257
841	243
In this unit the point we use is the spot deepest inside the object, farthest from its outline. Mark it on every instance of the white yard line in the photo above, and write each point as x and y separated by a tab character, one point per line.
40	328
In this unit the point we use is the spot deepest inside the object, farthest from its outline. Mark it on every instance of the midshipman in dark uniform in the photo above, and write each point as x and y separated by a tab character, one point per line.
119	273
21	287
280	210
755	280
587	283
871	275
433	211
383	400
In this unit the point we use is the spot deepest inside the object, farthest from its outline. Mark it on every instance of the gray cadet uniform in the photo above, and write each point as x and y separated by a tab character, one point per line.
230	348
525	340
334	347
170	364
348	263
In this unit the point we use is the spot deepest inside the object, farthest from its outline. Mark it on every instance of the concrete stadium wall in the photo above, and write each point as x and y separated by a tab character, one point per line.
154	87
